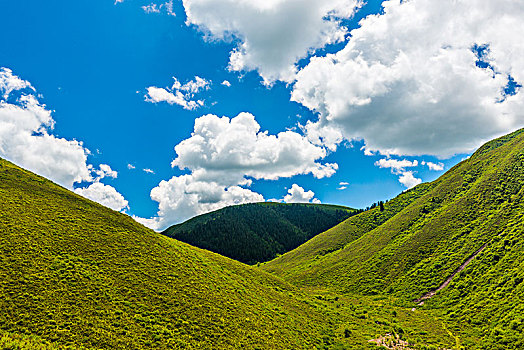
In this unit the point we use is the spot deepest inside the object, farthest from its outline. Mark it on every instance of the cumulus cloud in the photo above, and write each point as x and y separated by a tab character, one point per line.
183	197
408	180
297	194
26	139
10	82
179	94
236	147
105	171
223	156
105	195
226	83
424	77
131	166
396	165
434	166
149	171
273	35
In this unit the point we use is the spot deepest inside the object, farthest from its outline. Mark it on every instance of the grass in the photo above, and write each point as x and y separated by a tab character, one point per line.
74	274
77	274
423	235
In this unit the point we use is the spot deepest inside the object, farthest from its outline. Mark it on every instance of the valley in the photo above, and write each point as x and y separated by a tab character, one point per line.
441	266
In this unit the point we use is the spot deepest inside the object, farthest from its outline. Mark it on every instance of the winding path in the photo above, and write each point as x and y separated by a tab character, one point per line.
430	294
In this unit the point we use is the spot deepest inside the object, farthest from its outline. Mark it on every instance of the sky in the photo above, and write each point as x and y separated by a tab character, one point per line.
166	110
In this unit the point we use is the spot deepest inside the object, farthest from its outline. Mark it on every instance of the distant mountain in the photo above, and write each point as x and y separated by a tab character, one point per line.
258	232
455	245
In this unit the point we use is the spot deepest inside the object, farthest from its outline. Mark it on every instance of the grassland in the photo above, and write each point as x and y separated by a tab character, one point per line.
423	235
76	275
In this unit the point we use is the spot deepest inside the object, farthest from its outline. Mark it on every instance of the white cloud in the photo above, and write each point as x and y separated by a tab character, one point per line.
226	83
396	165
10	82
236	147
434	166
273	34
407	82
179	94
156	8
297	194
147	170
408	180
185	196
131	166
151	8
105	195
342	185
105	171
223	155
26	139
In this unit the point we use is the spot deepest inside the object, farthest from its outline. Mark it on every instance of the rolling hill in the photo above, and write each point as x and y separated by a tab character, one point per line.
77	274
258	232
439	266
473	214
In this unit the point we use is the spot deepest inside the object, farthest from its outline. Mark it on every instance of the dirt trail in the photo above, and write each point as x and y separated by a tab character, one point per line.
430	294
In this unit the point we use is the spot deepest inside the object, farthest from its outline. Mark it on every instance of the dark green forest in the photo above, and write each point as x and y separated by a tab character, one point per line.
258	232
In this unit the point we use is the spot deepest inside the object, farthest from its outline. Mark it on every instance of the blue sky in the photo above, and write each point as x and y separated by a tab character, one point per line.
91	64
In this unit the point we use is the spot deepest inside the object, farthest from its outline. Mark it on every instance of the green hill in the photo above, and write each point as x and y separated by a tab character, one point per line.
258	232
425	234
75	273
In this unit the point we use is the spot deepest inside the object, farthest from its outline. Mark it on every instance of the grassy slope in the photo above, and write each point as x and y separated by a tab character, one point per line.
258	232
76	273
411	248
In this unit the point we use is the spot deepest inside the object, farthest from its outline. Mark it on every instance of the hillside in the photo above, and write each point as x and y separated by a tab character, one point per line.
424	235
258	232
75	273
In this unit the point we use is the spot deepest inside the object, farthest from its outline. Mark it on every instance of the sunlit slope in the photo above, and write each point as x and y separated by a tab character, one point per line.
75	273
479	201
298	261
258	232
